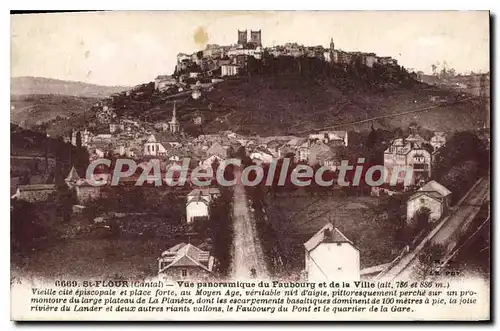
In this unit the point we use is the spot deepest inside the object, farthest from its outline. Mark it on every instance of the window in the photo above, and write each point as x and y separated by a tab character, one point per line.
184	273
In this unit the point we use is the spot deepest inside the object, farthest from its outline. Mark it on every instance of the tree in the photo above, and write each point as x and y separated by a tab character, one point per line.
422	217
429	259
461	147
372	138
434	69
24	225
78	139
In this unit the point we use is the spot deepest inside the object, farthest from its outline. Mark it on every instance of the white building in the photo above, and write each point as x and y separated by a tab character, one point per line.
438	140
410	161
164	82
85	135
197	205
328	137
116	127
433	196
260	156
183	57
329	255
370	60
229	70
154	148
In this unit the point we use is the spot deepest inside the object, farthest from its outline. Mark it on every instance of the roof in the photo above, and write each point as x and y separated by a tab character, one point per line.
73	175
333	135
415	137
217	149
327	234
198	198
275	143
434	186
186	255
36	187
433	195
294	142
261	149
204	191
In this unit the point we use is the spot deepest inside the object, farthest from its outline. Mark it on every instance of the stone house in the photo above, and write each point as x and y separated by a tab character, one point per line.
433	196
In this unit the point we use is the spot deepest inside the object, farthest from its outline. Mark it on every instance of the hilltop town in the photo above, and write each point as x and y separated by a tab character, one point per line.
196	113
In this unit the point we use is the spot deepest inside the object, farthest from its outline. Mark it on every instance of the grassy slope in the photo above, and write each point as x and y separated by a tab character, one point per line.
294	104
32	109
297	219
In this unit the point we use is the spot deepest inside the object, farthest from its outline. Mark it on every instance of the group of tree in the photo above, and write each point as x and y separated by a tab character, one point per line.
461	162
442	70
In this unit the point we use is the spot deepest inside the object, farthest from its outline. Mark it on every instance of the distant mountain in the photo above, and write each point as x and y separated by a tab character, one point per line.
41	85
31	110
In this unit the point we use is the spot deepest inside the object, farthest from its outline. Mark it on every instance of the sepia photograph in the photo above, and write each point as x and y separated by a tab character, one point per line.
250	165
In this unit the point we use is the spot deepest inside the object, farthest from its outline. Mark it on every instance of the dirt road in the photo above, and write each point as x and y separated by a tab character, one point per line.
247	251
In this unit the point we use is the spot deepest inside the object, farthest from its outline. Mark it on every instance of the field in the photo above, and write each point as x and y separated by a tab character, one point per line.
296	219
92	258
129	248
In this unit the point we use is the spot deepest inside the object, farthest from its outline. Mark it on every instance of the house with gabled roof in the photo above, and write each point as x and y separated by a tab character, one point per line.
153	147
330	255
403	158
186	261
85	190
433	196
197	206
217	149
72	177
261	155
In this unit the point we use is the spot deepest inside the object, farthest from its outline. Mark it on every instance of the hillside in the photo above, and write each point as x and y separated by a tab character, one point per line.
476	84
31	110
41	85
295	104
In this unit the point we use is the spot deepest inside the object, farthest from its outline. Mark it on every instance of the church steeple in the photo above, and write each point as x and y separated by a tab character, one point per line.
174	124
174	114
332	44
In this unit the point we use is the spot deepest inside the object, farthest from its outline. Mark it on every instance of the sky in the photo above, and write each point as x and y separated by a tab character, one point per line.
130	48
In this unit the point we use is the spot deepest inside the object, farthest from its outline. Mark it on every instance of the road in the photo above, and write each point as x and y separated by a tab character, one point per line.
446	233
246	250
